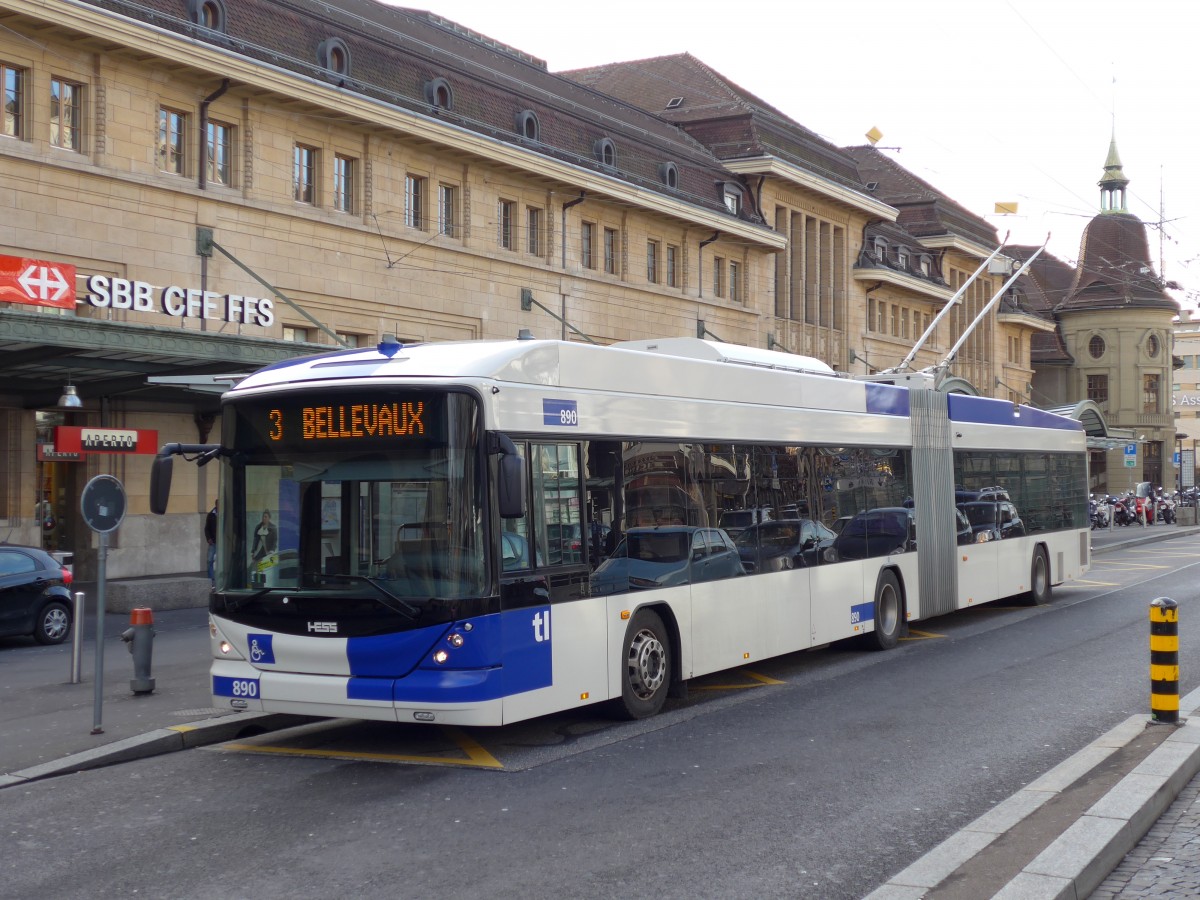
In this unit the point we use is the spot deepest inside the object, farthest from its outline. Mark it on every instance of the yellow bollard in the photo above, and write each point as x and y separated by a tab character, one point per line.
1164	661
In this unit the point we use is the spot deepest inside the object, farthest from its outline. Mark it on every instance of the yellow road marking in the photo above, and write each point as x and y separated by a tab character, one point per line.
1097	583
761	679
914	635
476	755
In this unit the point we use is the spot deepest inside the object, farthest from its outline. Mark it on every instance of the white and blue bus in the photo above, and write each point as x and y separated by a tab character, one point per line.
478	533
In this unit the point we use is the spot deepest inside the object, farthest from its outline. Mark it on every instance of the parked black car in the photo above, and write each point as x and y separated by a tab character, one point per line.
35	596
998	520
876	532
786	544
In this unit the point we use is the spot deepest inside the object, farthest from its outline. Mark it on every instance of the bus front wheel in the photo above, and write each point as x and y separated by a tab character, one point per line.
1040	589
889	613
646	667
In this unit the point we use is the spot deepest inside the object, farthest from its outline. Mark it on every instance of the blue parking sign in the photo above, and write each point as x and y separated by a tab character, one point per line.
1131	449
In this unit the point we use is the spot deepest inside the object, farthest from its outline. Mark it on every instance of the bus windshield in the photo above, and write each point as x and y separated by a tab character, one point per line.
362	498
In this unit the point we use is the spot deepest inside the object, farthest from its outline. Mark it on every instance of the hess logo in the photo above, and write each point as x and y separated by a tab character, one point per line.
322	627
541	626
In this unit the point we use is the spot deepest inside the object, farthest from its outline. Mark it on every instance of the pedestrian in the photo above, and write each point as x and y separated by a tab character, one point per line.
210	535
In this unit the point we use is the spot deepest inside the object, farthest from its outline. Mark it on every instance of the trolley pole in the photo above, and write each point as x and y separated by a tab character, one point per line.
1164	661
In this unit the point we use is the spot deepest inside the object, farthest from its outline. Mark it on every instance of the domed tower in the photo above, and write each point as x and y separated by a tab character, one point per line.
1116	323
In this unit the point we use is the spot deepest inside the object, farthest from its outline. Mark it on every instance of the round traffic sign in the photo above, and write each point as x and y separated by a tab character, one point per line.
103	503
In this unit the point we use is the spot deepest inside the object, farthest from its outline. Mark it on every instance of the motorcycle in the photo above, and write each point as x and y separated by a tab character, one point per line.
1098	512
1165	509
1121	511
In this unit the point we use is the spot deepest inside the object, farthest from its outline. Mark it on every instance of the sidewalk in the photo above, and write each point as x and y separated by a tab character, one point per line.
1061	836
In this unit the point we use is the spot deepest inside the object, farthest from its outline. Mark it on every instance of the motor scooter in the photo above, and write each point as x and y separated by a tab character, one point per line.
1165	509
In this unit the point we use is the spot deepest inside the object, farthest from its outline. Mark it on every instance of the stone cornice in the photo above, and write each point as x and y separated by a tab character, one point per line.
771	165
1033	322
148	40
956	242
903	280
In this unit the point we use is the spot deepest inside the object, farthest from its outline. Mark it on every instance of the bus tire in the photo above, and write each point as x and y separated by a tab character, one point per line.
1040	589
645	667
889	612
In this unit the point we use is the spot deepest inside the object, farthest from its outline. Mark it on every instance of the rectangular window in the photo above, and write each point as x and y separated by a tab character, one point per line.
735	277
220	153
414	201
172	137
1097	388
652	262
14	100
304	174
343	183
533	231
447	200
672	266
718	276
66	114
610	251
1150	394
586	235
349	339
295	333
504	221
872	312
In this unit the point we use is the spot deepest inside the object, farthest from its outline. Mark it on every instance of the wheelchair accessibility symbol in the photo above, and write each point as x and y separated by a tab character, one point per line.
261	651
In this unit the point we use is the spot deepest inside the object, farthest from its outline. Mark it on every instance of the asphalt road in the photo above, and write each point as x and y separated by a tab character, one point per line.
821	786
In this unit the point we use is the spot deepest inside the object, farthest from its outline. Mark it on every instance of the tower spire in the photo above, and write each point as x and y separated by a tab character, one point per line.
1114	182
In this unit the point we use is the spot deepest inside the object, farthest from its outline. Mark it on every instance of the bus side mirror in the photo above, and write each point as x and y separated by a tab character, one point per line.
510	477
160	483
510	486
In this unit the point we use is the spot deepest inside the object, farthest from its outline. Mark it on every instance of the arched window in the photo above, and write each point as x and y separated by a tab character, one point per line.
334	55
528	125
1152	346
439	94
606	151
668	173
208	13
1096	346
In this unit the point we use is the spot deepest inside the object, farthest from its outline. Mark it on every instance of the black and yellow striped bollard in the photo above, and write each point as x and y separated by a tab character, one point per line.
1164	661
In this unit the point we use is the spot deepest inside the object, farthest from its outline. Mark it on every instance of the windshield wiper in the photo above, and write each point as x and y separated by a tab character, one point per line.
234	603
397	605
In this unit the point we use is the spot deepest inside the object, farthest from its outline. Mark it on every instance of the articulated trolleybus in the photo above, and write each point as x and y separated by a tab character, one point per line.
482	532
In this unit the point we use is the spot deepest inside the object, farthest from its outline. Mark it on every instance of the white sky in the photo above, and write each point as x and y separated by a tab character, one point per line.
988	100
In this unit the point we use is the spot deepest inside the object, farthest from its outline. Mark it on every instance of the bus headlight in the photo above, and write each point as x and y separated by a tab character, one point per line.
440	657
225	647
455	639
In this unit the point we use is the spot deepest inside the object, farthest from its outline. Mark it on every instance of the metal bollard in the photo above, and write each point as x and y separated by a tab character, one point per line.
140	639
1164	661
77	640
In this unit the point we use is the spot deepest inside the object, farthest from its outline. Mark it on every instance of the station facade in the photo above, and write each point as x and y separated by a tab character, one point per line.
224	185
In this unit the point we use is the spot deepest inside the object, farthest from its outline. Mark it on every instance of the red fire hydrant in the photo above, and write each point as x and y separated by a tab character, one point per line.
140	639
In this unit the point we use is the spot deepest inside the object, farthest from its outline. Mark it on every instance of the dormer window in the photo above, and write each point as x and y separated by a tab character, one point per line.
902	258
732	195
880	249
438	94
668	173
926	266
334	56
606	151
208	14
528	125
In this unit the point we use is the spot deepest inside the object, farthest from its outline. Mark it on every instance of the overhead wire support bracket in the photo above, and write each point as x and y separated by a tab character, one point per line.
337	339
527	303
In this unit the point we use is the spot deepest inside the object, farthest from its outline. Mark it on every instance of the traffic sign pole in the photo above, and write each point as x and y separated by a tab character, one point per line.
103	506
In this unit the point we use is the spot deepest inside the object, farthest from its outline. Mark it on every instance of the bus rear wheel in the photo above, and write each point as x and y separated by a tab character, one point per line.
646	667
889	613
1040	588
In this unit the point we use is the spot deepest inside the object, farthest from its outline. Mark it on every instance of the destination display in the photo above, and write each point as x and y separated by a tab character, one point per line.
286	424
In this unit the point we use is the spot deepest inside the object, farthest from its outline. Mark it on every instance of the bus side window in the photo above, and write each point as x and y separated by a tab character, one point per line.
557	505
